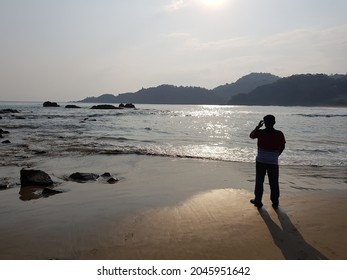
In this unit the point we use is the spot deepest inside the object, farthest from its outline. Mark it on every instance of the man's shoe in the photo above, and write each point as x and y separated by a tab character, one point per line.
256	203
275	204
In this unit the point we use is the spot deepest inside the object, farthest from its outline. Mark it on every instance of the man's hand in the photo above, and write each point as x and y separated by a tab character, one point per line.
260	124
253	133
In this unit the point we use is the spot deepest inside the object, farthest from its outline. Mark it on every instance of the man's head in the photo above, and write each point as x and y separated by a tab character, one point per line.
269	120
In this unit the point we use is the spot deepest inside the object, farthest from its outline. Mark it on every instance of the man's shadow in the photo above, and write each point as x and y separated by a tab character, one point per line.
288	239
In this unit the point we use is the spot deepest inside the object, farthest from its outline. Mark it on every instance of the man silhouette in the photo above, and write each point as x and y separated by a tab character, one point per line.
271	143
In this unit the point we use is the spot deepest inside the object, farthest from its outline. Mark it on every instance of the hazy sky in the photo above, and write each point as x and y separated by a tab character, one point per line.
62	50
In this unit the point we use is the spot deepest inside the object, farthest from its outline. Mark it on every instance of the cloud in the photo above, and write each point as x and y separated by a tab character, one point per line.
176	5
309	50
189	43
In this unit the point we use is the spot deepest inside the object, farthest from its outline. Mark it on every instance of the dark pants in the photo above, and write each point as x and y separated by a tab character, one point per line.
273	175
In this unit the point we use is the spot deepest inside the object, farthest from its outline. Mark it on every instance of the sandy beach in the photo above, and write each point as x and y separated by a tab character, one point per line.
173	208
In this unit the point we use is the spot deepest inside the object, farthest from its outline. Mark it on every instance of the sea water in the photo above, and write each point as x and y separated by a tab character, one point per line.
315	135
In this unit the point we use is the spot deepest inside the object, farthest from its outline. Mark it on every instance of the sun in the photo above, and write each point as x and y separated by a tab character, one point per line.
213	3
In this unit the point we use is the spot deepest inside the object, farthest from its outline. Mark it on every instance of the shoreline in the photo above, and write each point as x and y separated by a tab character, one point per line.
172	208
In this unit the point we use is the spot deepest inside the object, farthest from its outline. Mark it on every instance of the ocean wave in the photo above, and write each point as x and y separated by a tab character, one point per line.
111	138
158	153
20	126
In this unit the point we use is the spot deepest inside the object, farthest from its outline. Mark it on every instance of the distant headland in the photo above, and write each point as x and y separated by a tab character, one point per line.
252	89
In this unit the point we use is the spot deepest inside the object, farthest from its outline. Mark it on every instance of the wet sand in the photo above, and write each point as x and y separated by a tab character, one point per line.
165	208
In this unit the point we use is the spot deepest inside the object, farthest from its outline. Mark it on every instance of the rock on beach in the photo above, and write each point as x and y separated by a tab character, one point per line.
83	177
3	184
112	180
31	177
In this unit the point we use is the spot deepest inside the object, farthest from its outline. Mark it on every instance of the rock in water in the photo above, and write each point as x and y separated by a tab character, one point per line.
3	184
104	106
29	177
112	180
106	174
128	105
72	106
83	177
50	104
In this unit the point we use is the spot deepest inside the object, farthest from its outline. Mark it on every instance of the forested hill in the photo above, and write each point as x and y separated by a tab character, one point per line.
170	94
298	90
252	89
244	85
163	94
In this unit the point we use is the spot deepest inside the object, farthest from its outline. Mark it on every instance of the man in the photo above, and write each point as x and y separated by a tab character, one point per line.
271	143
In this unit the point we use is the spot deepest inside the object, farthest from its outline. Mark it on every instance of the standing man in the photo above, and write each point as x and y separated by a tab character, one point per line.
271	143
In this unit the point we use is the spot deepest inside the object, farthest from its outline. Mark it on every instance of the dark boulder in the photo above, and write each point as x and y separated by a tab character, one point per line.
128	105
4	131
104	106
112	180
83	177
109	179
72	106
106	174
50	104
6	142
3	184
30	177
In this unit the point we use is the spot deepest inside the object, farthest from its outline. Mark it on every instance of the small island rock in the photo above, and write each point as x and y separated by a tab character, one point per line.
128	105
50	104
72	106
104	106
